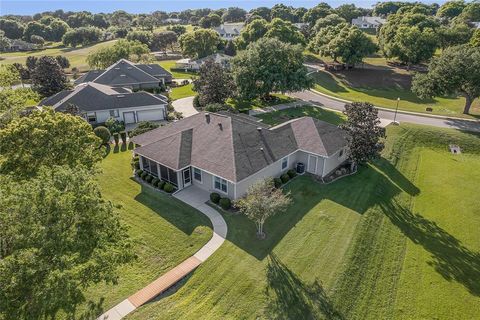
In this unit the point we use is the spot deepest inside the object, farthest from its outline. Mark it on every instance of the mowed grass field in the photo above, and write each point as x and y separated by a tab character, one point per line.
164	230
76	56
381	85
398	240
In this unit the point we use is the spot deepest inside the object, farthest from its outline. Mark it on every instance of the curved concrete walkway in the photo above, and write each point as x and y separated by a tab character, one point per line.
196	198
185	106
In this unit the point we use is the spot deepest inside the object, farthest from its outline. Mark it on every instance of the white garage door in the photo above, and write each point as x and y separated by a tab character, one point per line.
150	115
129	117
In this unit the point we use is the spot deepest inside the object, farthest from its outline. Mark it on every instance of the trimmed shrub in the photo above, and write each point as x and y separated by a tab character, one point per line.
214	197
116	138
225	203
196	102
168	187
155	182
149	178
139	172
161	184
292	173
103	133
144	175
123	135
277	182
285	177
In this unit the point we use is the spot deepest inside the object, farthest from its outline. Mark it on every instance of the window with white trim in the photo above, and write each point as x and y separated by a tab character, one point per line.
197	174
284	163
220	184
114	113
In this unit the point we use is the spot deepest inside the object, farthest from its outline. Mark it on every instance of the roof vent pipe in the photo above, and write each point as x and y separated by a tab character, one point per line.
207	117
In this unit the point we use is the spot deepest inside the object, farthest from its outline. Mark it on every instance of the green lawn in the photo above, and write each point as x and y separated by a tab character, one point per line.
277	117
77	56
398	240
382	87
164	230
245	105
169	64
182	92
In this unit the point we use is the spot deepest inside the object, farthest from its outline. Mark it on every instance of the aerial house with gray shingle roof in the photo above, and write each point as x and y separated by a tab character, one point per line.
128	74
227	153
98	102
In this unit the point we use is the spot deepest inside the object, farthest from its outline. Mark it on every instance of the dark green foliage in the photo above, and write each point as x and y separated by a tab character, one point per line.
199	43
269	65
116	138
123	135
292	173
230	48
225	203
149	179
285	178
142	127
214	84
144	175
139	172
144	37
457	70
13	29
161	40
343	41
48	77
168	187
114	125
161	184
135	163
103	133
277	182
196	102
363	130
63	61
214	197
82	36
155	182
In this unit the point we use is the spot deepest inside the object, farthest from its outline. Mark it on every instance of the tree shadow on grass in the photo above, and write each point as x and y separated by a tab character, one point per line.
290	298
451	258
116	149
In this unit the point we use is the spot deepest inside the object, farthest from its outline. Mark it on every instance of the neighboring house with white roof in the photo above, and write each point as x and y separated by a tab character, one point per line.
194	65
476	24
97	102
229	31
128	74
368	22
227	153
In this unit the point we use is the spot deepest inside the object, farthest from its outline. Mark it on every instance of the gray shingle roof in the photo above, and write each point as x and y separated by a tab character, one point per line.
93	96
236	146
125	73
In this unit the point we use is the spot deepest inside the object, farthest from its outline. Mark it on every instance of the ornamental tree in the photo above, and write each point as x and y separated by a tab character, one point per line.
199	43
344	41
122	49
284	31
214	84
262	201
456	71
363	132
269	65
46	138
48	77
59	237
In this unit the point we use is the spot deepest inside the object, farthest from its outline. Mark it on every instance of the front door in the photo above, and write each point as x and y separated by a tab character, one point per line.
312	164
187	177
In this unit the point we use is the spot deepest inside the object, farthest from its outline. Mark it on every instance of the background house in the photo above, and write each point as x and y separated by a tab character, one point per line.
368	22
97	103
194	65
229	31
127	74
227	153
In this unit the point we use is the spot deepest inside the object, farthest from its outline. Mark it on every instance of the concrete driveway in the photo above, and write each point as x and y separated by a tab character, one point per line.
185	106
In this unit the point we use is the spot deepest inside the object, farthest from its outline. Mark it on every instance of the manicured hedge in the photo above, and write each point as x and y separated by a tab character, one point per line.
139	172
292	173
277	182
214	197
285	177
168	187
149	178
161	184
225	203
116	138
144	175
155	182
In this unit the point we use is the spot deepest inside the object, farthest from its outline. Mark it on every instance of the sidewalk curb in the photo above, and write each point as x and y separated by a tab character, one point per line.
425	115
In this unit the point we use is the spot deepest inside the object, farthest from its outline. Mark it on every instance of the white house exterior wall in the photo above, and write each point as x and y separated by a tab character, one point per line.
333	162
207	184
103	115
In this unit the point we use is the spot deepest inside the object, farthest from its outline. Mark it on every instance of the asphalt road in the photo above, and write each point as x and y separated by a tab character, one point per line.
466	125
